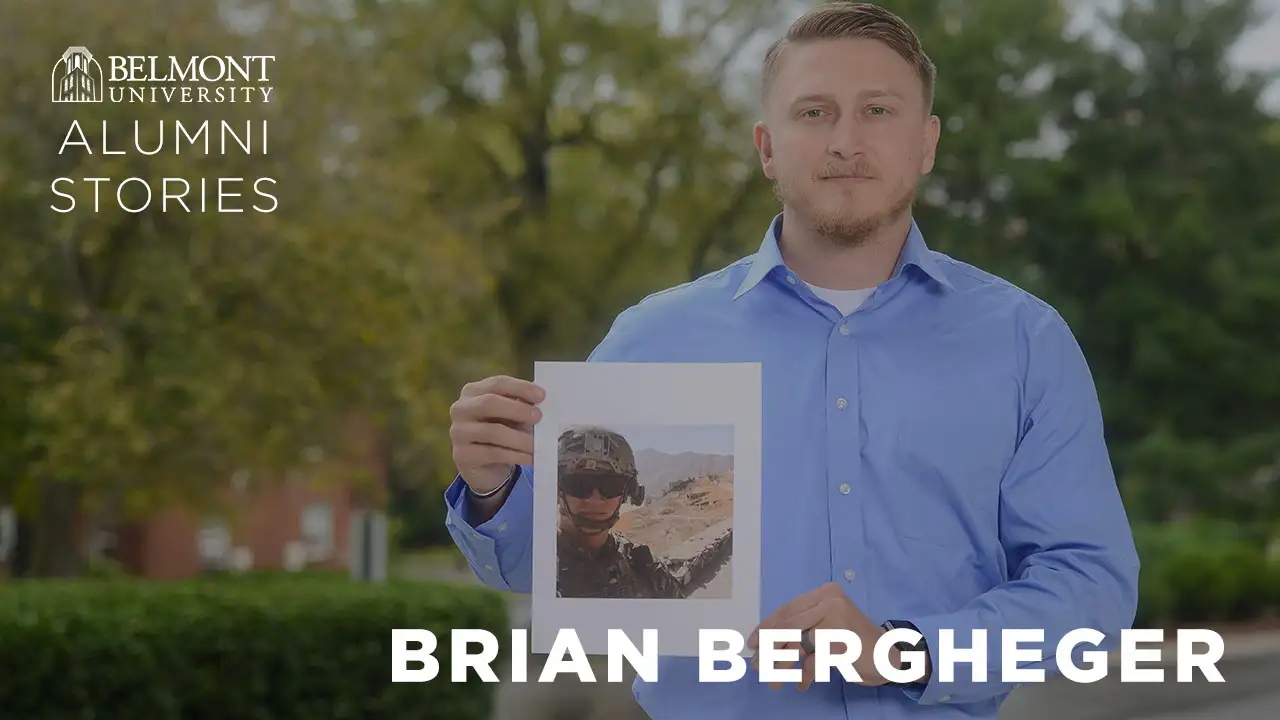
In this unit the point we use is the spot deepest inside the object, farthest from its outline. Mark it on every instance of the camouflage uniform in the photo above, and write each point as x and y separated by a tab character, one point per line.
596	458
619	569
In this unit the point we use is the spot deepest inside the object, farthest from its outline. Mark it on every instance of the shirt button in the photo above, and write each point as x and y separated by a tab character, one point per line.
489	568
502	527
842	403
844	488
844	330
944	698
848	574
791	279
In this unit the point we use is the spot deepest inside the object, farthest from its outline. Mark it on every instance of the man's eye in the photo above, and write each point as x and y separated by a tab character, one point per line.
812	113
878	110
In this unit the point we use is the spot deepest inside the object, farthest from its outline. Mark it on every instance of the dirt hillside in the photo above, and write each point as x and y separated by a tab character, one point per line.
688	508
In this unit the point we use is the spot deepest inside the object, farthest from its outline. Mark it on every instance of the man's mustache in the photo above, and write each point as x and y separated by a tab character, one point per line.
860	170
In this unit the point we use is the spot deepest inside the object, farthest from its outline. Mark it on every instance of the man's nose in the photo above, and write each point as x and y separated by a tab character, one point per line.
846	138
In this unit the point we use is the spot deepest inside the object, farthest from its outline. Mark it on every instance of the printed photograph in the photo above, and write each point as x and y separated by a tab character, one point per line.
646	511
646	490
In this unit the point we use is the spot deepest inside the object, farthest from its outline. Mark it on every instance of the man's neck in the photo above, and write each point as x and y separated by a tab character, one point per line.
591	542
822	262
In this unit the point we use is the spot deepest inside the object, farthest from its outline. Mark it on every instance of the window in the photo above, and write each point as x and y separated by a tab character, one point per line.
317	531
214	540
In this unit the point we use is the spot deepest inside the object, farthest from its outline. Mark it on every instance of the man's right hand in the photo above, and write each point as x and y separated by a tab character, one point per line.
492	429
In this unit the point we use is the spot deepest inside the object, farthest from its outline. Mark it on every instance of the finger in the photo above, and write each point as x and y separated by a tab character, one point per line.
803	603
495	407
773	622
807	637
799	654
813	617
804	622
790	650
810	669
788	664
769	623
477	455
507	386
495	434
782	617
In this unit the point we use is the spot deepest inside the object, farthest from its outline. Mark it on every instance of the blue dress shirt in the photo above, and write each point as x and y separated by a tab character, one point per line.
938	452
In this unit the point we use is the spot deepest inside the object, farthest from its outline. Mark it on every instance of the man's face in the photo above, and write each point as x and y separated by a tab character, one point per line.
594	506
592	497
846	136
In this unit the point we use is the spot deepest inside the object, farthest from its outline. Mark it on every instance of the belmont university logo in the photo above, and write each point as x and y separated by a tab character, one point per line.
77	78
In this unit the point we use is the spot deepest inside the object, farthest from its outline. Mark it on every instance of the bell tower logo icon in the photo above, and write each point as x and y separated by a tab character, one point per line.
77	77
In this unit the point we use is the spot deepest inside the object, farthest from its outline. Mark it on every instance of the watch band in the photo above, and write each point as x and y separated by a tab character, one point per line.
904	646
515	473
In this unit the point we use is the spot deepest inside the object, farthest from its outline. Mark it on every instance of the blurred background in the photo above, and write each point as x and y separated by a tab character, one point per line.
245	415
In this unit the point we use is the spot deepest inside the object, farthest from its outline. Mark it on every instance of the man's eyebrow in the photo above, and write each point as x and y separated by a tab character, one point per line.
881	92
864	95
811	97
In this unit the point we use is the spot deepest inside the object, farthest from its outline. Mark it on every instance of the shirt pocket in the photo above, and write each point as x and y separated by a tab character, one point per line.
939	576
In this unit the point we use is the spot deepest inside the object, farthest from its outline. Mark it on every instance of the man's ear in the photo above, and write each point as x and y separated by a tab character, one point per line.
764	148
932	131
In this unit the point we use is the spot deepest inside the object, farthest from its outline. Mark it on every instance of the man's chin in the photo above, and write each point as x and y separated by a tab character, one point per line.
844	217
847	228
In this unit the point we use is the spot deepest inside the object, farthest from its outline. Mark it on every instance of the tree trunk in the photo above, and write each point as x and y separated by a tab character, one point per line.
56	546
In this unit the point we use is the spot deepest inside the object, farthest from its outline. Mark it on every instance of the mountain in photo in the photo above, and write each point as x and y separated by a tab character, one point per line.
658	470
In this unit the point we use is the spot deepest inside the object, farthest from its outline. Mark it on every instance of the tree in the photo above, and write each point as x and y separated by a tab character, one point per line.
156	352
1154	232
592	153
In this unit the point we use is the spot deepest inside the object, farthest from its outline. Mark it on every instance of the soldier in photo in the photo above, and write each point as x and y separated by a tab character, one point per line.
597	473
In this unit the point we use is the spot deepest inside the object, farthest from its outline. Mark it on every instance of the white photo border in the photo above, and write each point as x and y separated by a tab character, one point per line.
625	393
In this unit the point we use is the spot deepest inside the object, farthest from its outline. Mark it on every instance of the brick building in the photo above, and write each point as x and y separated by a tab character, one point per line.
304	522
285	526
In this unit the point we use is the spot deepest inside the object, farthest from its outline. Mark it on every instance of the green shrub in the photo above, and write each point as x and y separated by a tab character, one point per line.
1201	573
1274	567
261	648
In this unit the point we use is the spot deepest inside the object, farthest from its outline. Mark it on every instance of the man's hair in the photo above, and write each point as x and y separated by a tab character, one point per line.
843	20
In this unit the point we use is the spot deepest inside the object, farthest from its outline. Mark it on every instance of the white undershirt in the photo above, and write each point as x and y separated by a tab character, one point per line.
846	301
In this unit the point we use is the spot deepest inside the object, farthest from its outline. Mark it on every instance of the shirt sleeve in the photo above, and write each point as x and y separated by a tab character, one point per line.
1064	529
498	550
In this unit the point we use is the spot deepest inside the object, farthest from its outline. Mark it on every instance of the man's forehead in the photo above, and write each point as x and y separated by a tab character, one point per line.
844	68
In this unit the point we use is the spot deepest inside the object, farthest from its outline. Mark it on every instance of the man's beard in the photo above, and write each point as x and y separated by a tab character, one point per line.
843	227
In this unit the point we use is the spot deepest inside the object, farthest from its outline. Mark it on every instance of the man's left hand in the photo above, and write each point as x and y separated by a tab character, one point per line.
825	608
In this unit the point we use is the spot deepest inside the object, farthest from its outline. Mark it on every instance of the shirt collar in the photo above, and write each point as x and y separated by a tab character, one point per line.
914	252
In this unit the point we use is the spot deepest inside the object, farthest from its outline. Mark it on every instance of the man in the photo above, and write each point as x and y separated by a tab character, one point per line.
597	472
933	451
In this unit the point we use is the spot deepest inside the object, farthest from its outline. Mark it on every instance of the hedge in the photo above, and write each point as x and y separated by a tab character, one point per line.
253	649
1204	574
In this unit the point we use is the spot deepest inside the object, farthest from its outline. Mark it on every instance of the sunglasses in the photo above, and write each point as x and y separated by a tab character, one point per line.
580	486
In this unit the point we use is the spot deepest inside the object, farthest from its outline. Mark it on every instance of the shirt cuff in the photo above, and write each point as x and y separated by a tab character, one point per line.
935	690
501	537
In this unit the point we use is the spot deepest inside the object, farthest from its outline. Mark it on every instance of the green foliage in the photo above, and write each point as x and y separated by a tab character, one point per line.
256	648
466	186
1204	573
145	357
1154	230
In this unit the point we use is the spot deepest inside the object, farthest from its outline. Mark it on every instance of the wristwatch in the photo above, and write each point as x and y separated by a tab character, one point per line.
905	647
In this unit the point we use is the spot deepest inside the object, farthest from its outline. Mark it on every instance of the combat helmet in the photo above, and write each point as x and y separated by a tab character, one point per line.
592	457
